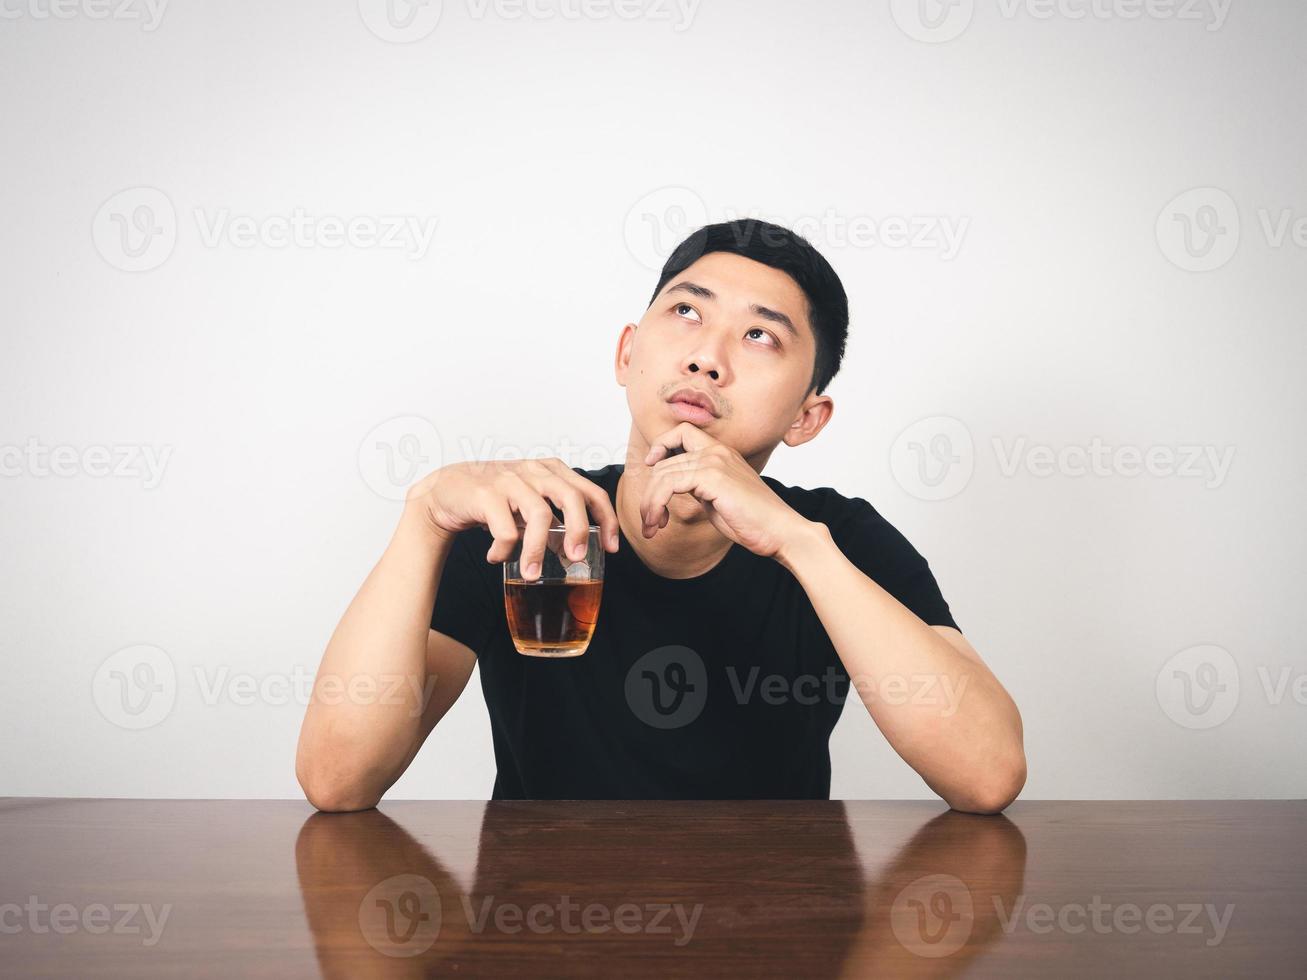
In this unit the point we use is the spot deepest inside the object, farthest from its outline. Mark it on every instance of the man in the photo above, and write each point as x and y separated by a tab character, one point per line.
737	616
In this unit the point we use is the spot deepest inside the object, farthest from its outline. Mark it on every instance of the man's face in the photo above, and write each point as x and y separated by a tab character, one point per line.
736	331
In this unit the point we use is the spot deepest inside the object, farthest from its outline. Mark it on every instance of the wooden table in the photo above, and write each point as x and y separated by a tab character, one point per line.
142	888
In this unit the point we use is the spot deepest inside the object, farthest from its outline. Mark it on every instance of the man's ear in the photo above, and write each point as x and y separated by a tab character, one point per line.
622	361
812	418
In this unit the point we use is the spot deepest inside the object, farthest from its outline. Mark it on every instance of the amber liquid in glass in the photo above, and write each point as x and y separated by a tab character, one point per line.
554	618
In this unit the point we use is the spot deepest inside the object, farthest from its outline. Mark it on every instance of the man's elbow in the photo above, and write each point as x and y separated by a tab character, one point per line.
331	794
995	792
337	802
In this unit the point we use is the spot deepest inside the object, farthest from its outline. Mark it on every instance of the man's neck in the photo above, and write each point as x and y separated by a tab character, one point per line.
687	547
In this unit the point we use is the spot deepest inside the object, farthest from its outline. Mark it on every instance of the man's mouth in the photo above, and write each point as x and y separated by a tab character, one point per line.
692	405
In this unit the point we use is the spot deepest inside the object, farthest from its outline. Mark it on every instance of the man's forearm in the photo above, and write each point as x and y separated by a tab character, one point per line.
371	686
944	713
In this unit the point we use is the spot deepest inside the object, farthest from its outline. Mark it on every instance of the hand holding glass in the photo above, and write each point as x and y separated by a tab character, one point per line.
554	615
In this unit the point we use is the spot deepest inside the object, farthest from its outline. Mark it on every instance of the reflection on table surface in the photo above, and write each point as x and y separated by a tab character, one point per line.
608	889
139	888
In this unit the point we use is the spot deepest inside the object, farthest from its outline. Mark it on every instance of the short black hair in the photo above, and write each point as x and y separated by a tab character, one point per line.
791	253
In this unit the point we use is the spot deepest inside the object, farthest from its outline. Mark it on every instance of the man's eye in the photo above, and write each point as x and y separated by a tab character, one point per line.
686	306
764	333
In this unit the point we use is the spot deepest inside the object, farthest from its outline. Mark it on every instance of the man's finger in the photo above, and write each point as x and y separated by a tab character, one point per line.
670	480
600	507
686	436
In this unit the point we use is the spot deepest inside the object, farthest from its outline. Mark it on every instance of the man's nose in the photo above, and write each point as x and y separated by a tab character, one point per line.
707	359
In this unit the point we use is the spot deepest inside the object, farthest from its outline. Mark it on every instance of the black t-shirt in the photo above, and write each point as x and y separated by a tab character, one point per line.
721	686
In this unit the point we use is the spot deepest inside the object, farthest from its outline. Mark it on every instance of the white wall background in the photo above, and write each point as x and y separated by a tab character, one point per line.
560	157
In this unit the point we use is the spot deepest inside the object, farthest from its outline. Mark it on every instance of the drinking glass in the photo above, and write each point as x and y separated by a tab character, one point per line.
555	615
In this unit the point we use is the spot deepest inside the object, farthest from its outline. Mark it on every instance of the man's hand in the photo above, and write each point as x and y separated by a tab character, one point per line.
735	498
488	494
